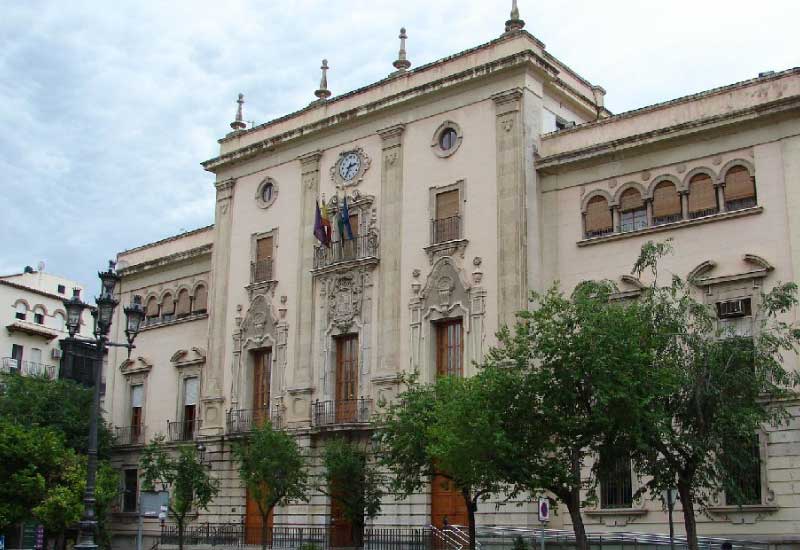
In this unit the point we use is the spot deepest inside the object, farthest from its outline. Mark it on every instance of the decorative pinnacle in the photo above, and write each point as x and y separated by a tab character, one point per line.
402	63
514	23
238	123
323	93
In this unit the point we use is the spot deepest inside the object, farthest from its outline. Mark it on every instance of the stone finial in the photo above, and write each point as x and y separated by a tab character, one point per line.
323	93
238	123
514	23
402	63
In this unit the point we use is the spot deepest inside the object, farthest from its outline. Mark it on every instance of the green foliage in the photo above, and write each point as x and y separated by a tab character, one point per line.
519	544
272	467
352	480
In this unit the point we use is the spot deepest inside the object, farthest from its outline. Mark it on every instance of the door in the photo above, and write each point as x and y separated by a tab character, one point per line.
253	523
343	534
449	348
447	502
346	407
262	367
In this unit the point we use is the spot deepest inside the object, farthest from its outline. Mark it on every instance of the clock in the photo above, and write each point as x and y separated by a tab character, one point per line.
349	166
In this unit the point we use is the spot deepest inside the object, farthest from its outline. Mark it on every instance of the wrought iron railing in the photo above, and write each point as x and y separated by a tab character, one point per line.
184	430
740	204
670	218
702	213
350	411
240	421
357	248
599	232
261	270
445	229
129	435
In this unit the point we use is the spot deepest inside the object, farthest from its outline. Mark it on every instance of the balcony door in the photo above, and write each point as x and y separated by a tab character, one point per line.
449	348
262	369
447	502
346	407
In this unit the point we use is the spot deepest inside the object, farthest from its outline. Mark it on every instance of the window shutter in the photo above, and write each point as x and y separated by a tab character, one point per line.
152	307
666	200
354	224
167	305
598	215
447	205
631	200
137	394
739	184
184	304
264	248
191	389
200	298
702	195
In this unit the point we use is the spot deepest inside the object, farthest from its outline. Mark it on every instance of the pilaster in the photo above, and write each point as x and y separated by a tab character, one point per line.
391	216
213	380
511	203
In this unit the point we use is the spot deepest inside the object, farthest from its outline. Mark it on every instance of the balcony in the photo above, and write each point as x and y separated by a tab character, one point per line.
335	413
186	430
261	271
361	249
241	421
28	368
129	435
445	229
740	204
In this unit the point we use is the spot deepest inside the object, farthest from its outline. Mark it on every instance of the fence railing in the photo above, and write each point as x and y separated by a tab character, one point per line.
261	270
183	430
240	421
331	413
669	218
358	248
740	204
445	229
129	435
28	368
9	365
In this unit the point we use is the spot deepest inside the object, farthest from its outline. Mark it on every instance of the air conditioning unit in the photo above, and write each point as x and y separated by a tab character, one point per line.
733	308
57	353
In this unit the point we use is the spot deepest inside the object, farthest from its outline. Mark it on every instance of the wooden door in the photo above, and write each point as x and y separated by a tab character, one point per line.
447	502
253	523
449	348
262	367
346	407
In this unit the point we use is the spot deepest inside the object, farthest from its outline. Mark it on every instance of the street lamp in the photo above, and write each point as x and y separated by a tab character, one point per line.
103	316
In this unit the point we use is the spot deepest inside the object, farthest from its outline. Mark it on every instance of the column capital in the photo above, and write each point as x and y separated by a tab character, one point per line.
225	188
310	161
392	136
507	101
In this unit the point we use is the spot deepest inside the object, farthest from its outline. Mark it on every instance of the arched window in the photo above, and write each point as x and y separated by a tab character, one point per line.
633	214
21	311
740	189
597	219
184	306
200	303
151	311
60	321
167	307
666	203
38	315
702	196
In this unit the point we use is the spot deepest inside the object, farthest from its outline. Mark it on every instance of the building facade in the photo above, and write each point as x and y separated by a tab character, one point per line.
468	182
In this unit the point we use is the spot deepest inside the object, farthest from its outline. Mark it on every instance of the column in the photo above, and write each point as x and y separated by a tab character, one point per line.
511	203
648	203
391	216
213	379
684	204
615	218
720	189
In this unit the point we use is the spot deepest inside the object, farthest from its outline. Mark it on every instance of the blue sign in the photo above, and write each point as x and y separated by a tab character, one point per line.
2	542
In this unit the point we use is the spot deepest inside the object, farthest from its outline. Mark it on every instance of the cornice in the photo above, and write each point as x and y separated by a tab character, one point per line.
166	260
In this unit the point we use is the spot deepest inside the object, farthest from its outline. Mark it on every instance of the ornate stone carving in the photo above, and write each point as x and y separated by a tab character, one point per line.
345	293
258	326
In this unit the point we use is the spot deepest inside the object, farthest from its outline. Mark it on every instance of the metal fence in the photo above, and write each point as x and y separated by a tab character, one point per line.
349	411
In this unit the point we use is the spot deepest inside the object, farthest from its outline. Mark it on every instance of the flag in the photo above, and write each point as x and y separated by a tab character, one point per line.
326	224
319	229
345	221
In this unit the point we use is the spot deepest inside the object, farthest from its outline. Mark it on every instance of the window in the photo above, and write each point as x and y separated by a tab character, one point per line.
735	317
130	490
346	407
22	311
447	139
62	289
449	348
262	267
740	189
60	321
666	204
447	221
167	308
200	302
633	214
36	356
184	305
151	311
266	193
191	389
137	402
616	489
747	477
16	354
597	219
702	196
38	316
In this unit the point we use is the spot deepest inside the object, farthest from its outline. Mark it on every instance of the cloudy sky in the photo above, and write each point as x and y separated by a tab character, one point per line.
107	108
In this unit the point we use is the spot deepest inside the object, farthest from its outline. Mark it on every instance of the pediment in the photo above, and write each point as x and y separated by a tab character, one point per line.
136	365
185	358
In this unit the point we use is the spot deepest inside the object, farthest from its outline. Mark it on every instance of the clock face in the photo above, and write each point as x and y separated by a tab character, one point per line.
349	166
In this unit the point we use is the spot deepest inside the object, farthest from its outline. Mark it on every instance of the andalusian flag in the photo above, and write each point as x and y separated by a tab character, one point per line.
344	220
326	224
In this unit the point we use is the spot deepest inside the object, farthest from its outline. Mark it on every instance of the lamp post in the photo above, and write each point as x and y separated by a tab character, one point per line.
103	316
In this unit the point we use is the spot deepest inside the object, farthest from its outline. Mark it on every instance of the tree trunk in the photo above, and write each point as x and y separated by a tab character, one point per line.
472	507
689	521
264	531
574	507
180	533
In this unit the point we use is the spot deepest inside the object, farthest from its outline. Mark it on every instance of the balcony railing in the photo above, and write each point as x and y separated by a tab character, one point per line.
261	271
445	229
740	204
28	368
9	366
358	248
129	435
703	213
670	218
241	421
331	413
184	430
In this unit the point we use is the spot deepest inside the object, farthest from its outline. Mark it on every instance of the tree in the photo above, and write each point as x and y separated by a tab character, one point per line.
185	478
568	361
352	481
706	390
273	469
451	428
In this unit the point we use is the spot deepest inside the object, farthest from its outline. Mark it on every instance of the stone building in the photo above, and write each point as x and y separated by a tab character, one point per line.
469	182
